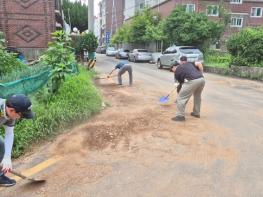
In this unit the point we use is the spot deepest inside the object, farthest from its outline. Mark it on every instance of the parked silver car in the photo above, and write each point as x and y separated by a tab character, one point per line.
122	53
140	55
173	54
111	51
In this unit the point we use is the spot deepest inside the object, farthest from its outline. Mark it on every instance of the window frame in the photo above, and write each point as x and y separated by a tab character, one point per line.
236	1
187	7
256	9
212	14
242	22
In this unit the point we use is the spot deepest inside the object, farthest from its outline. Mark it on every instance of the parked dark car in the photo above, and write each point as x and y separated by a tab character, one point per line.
101	49
122	53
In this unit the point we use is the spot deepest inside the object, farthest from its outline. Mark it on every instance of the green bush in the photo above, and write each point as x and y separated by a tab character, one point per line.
75	101
9	63
60	57
246	47
89	42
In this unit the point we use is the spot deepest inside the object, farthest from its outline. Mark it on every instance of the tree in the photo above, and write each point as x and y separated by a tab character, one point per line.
76	14
142	25
184	28
155	32
122	35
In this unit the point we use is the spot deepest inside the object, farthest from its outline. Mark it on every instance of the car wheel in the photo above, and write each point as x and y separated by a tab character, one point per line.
159	65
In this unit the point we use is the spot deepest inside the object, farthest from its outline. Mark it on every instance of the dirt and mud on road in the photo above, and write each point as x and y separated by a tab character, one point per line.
133	148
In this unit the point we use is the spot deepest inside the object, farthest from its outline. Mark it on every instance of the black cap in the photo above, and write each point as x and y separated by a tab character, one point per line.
22	104
183	58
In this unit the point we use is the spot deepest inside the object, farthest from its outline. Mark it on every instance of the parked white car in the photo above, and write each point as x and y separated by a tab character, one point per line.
111	51
173	54
122	53
140	55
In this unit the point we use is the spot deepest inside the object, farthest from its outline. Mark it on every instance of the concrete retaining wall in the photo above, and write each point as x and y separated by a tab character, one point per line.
238	71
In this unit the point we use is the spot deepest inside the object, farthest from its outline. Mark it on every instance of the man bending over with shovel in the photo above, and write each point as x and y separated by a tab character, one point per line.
190	76
16	107
123	66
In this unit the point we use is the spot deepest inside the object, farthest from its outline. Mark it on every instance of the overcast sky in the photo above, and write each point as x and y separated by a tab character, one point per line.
96	6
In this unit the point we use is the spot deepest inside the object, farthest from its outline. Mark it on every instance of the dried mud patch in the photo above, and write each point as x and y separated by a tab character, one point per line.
100	135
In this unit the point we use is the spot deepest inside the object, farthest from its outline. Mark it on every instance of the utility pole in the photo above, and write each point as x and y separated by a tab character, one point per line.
113	18
91	15
69	20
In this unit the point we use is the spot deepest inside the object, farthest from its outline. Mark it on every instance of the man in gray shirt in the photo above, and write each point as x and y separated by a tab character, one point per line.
15	107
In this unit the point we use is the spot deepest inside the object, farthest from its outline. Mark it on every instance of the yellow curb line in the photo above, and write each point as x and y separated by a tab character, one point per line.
41	166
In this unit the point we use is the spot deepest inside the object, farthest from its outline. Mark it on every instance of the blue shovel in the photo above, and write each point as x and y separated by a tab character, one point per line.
165	99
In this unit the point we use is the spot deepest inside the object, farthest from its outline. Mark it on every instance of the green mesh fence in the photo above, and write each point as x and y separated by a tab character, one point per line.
29	84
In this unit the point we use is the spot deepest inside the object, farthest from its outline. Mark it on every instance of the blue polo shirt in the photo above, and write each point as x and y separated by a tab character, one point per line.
120	64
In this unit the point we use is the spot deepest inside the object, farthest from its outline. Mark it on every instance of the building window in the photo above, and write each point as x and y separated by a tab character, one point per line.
256	12
236	22
235	1
213	10
141	6
190	8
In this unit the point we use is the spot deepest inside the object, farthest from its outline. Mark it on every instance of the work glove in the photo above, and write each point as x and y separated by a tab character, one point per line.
6	164
176	84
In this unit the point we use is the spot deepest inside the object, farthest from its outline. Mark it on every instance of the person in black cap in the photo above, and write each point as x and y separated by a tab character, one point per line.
15	107
190	76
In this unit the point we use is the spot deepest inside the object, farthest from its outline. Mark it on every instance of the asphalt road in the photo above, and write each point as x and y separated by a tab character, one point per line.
236	105
134	149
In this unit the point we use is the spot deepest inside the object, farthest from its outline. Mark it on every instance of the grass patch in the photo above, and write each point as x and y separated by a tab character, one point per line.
217	59
217	65
75	102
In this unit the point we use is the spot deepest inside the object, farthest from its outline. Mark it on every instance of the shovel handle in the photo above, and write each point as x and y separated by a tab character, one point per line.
18	174
171	92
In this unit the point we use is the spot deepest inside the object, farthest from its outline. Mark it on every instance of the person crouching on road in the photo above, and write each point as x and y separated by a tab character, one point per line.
15	107
123	66
190	76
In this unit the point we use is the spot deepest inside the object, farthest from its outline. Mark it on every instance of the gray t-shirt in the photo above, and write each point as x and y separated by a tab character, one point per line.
3	118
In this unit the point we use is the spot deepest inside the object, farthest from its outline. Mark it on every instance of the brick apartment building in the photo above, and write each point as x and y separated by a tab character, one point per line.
111	18
242	13
28	24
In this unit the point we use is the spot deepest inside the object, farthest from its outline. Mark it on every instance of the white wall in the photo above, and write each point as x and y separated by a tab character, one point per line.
129	9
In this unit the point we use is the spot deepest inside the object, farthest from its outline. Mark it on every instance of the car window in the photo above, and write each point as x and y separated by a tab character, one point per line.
142	50
189	50
126	51
174	51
